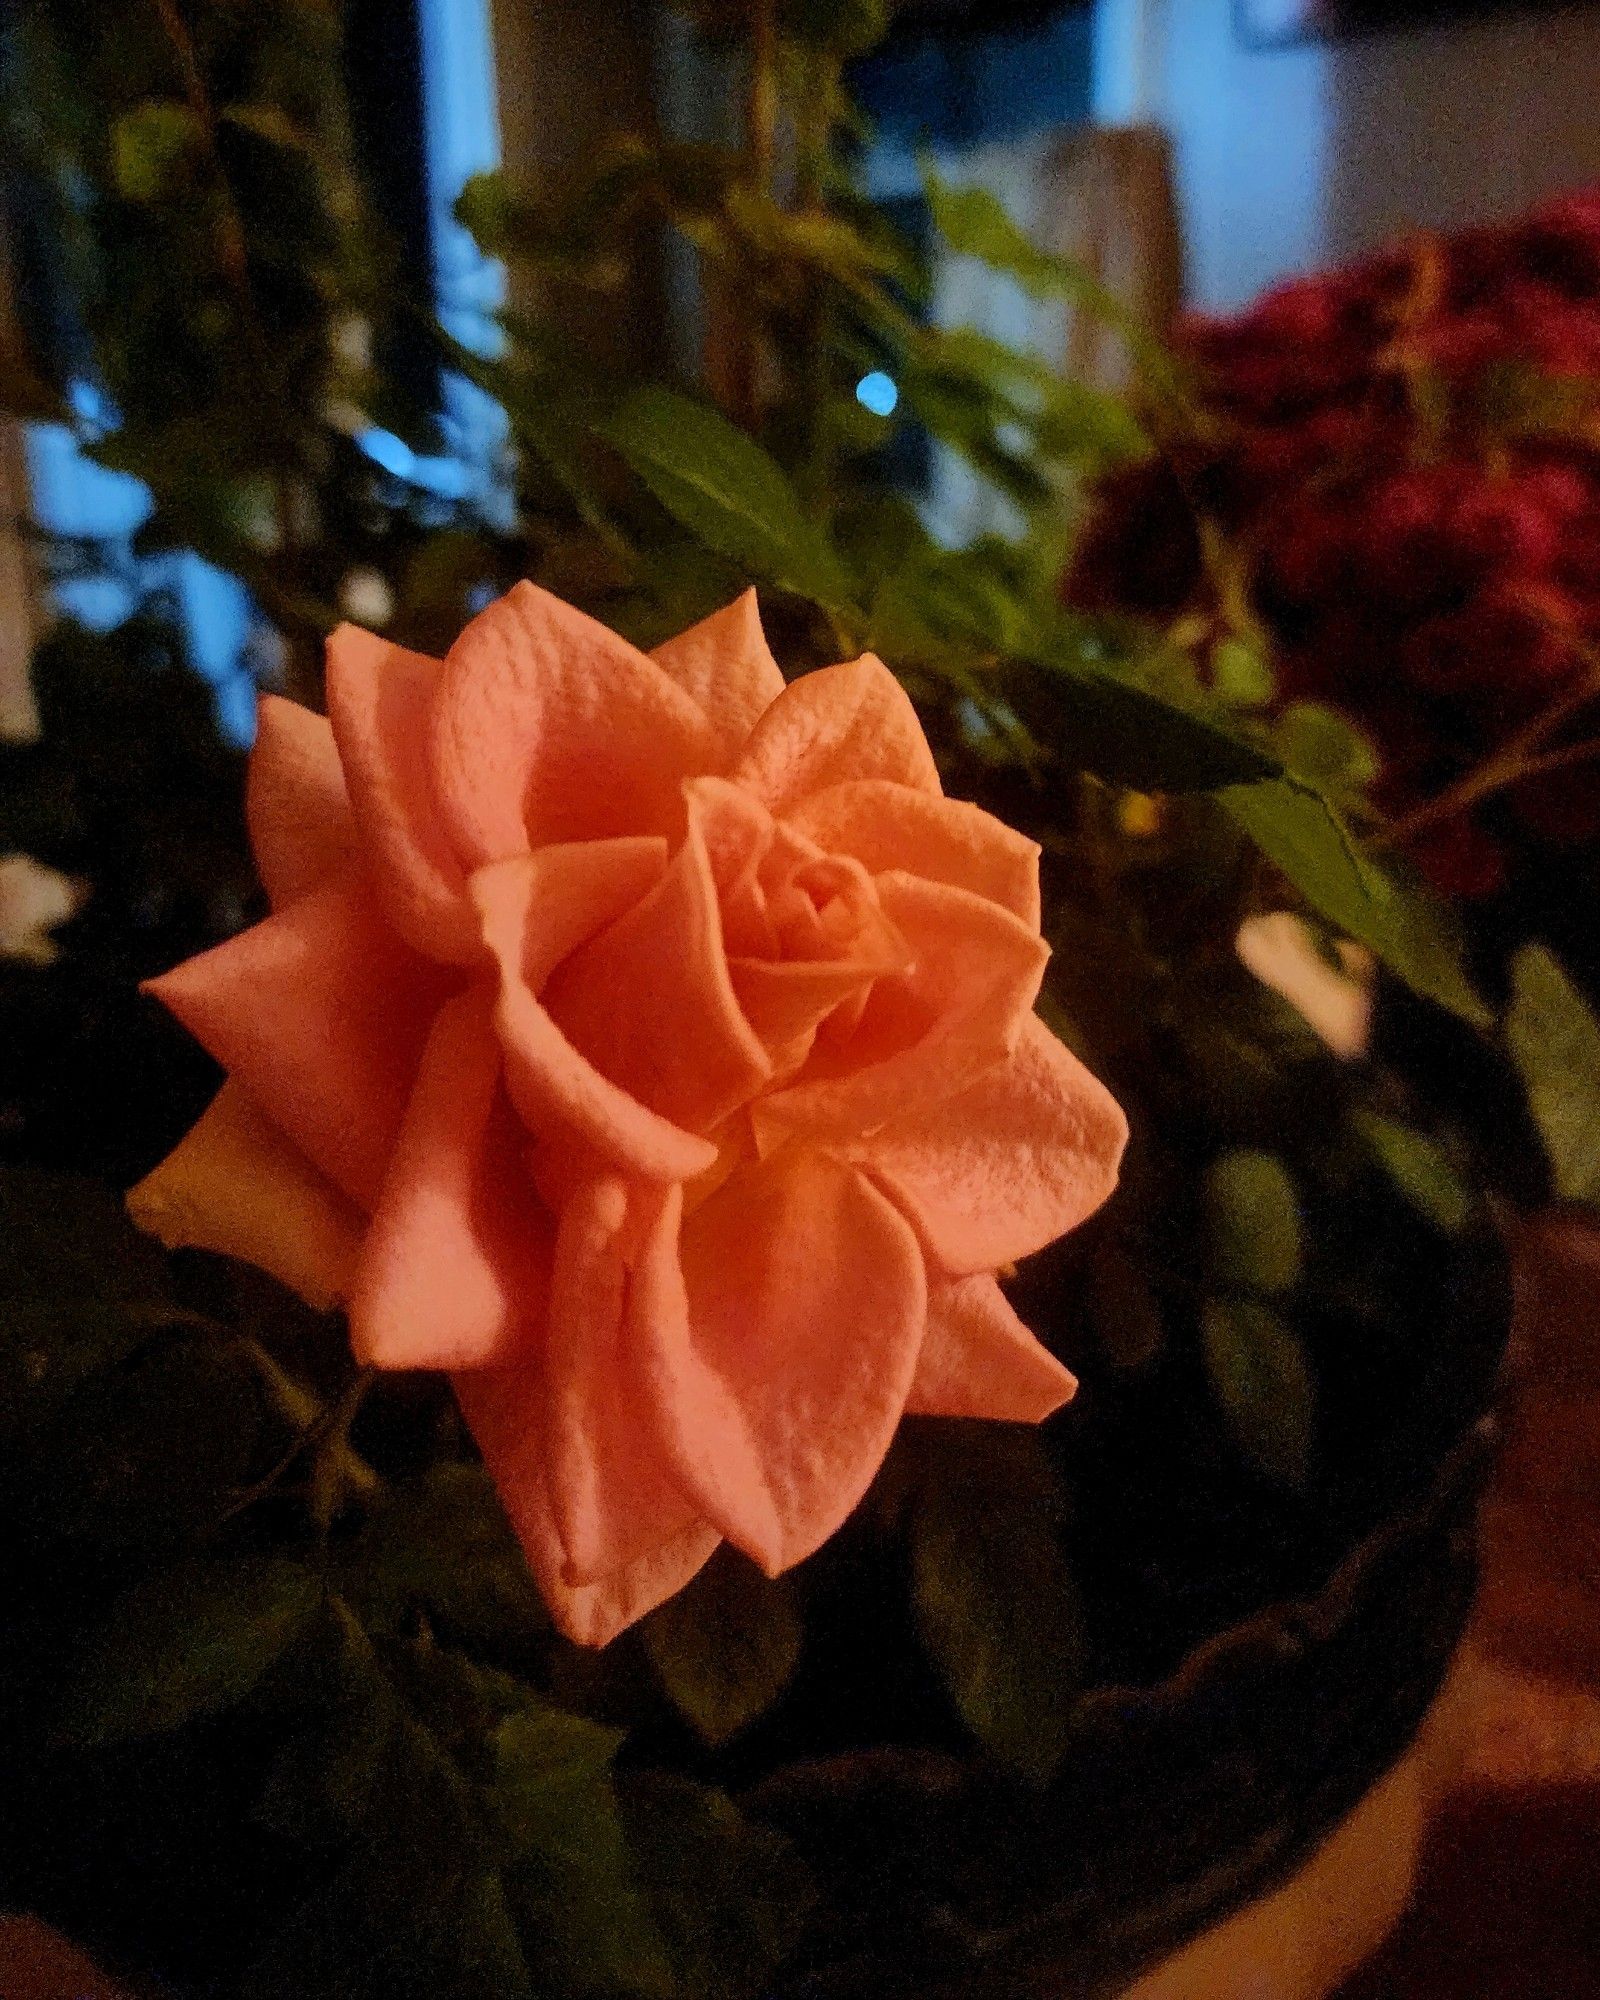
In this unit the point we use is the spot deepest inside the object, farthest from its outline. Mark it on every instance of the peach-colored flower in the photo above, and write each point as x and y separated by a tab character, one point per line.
651	1045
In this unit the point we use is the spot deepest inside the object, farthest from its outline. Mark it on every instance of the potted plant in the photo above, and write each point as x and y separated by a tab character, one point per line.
290	1713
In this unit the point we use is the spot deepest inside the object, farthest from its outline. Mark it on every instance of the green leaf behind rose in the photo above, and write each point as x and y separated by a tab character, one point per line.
726	490
996	1604
1297	830
1255	1222
1419	1168
1263	1386
725	1647
190	1641
1554	1040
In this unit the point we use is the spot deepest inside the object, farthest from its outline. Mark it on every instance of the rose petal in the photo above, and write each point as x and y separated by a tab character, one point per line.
979	1360
614	1498
380	700
724	663
506	1409
736	827
235	1185
925	1033
548	727
840	723
1008	1165
650	1002
779	1382
534	913
784	1002
321	1013
455	1267
889	826
300	826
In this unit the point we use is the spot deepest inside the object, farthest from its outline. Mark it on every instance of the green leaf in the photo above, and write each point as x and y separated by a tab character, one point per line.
1254	1220
349	1760
1326	749
570	1871
440	1544
726	1647
484	209
379	1928
1054	676
996	1604
1297	829
800	242
1085	426
191	1641
1419	1168
49	1348
730	1897
1262	1383
153	1450
1554	1041
150	146
373	1760
1241	673
726	490
1103	720
974	223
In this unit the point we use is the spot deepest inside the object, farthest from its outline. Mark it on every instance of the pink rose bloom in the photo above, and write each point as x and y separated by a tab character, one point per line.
651	1045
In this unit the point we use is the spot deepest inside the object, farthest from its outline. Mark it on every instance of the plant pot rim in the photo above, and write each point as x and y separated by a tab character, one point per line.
1296	1712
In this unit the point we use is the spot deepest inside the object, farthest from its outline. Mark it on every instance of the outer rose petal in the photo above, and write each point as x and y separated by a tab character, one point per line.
725	664
456	1264
979	1360
844	722
888	826
234	1184
506	1409
321	1013
295	800
927	1033
779	1380
1013	1162
380	700
535	912
548	727
614	1498
650	1001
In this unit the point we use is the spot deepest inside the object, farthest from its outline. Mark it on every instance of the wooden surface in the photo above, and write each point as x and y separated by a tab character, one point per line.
1507	1901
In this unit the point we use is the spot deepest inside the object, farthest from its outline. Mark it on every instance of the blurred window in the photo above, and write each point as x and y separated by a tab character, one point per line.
420	78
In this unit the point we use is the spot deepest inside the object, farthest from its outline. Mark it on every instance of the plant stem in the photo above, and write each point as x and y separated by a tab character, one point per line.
336	1470
815	422
321	1427
231	243
1518	757
741	333
1560	760
761	110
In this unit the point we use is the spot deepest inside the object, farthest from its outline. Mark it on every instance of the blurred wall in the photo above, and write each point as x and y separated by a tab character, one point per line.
1290	158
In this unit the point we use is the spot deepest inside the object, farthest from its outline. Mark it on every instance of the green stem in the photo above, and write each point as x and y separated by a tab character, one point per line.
322	1428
